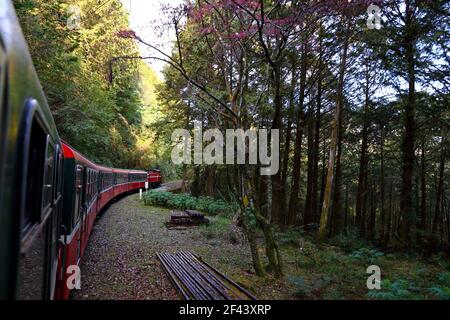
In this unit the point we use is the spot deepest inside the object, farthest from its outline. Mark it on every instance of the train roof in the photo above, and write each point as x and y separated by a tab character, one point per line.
71	152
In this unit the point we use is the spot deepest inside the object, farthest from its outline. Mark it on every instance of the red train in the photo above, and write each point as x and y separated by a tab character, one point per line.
154	178
88	188
50	194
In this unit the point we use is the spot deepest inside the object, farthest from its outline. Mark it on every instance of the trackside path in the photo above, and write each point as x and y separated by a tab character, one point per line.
121	262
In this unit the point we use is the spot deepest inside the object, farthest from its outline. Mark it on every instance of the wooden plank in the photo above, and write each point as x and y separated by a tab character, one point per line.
195	213
195	279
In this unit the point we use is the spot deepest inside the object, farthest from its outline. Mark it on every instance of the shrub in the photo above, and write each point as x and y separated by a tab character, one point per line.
291	237
441	292
184	201
442	289
444	278
400	289
349	240
157	198
366	255
302	289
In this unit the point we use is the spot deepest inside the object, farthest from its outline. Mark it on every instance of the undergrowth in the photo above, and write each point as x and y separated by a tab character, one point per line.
184	201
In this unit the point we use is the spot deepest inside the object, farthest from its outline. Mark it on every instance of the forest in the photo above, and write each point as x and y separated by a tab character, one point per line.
359	91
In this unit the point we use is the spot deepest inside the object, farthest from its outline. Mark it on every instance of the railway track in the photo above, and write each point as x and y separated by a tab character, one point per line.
197	280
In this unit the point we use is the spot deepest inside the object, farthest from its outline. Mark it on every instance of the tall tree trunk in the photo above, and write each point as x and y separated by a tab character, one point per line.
310	212
363	163
210	172
323	180
277	186
293	200
284	173
406	210
315	183
184	182
372	220
423	198
382	191
255	189
387	237
240	178
334	139
336	207
345	224
439	194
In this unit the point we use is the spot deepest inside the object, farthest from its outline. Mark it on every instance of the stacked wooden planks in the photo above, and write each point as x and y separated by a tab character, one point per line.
197	280
186	218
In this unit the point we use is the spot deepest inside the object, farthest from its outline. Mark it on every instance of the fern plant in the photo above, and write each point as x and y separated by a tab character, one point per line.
400	289
302	289
367	255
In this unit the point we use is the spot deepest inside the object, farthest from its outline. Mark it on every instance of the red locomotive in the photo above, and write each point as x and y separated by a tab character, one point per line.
154	178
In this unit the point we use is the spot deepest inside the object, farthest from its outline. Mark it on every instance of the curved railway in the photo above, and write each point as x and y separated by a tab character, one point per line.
50	194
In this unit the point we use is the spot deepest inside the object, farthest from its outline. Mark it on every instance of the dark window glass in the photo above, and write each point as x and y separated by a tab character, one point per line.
78	190
36	160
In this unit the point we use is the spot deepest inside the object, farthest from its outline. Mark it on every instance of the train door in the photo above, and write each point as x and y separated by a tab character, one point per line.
32	264
56	218
37	267
86	174
78	206
48	203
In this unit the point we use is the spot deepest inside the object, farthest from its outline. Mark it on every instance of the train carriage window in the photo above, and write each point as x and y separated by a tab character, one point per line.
78	191
100	181
36	160
89	189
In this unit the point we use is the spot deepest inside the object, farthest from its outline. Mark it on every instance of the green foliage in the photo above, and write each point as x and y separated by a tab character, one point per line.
96	116
217	228
181	201
406	289
367	255
157	198
302	289
328	261
442	288
349	240
400	289
444	278
291	237
441	292
215	206
184	201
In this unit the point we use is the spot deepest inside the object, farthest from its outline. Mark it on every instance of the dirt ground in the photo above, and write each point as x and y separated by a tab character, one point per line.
120	260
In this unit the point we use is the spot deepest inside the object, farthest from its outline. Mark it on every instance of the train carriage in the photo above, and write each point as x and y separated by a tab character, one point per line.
50	194
88	188
30	172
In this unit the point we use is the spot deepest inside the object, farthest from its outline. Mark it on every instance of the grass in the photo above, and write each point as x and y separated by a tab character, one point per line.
183	201
325	271
316	270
